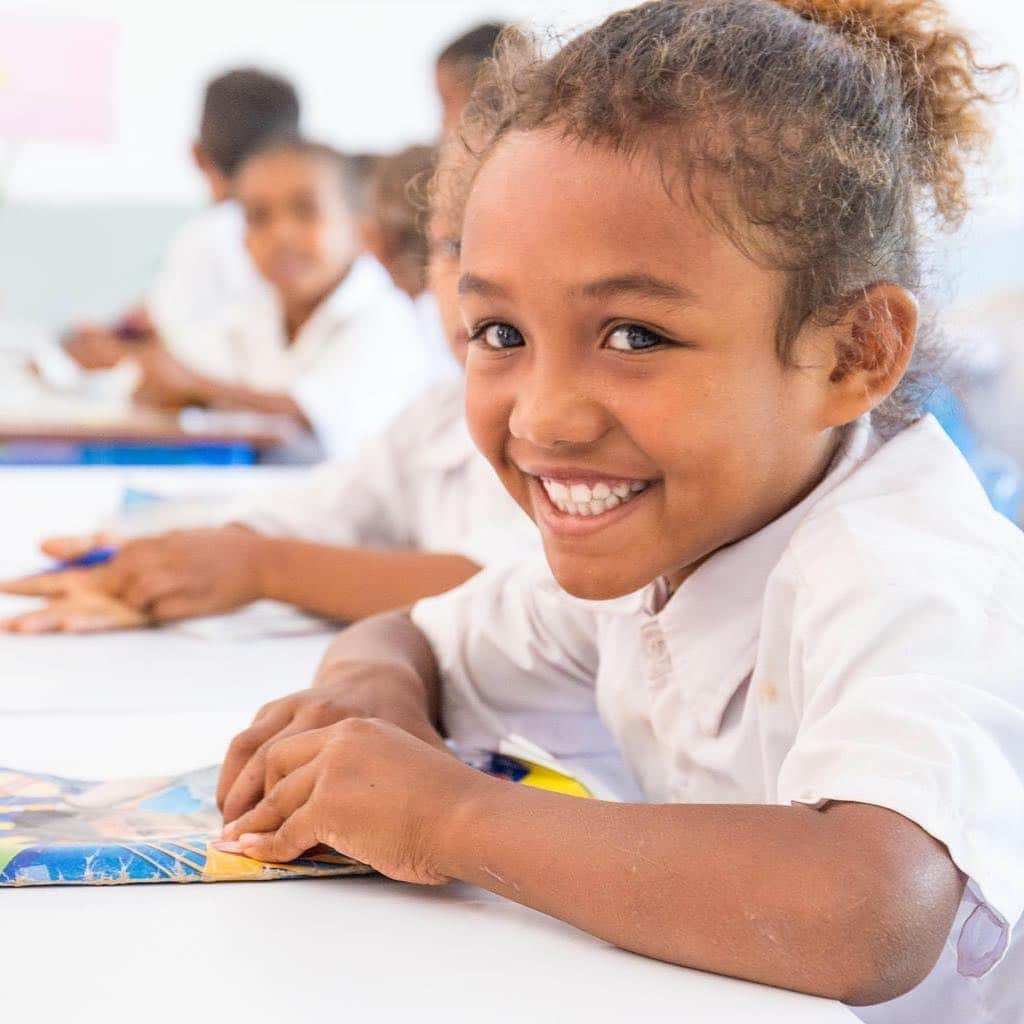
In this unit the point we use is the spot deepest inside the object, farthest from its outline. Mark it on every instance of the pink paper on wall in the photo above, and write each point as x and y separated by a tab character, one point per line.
56	78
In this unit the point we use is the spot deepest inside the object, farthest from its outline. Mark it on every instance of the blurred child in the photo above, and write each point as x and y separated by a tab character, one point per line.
334	347
206	271
416	513
690	275
393	231
457	67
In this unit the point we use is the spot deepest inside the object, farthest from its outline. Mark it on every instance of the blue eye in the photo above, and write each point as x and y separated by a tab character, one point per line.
499	336
633	338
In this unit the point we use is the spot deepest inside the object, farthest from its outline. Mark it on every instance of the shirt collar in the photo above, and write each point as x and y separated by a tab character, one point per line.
364	283
711	625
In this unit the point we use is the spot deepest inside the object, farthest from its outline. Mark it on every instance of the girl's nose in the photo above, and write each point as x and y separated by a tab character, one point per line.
555	409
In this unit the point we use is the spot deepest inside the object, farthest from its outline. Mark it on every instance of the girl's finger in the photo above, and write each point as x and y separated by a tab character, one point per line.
103	620
291	840
298	746
277	805
44	620
241	777
76	546
51	584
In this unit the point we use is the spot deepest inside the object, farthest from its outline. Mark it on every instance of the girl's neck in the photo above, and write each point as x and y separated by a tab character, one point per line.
298	311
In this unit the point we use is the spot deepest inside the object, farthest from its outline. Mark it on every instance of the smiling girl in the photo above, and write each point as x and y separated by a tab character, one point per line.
689	268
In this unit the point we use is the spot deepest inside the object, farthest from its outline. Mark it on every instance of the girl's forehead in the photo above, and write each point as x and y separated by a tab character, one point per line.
543	203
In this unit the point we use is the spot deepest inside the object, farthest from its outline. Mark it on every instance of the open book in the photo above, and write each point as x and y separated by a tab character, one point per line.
57	831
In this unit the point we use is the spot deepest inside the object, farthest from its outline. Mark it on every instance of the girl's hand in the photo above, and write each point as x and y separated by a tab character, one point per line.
174	576
353	690
77	610
365	788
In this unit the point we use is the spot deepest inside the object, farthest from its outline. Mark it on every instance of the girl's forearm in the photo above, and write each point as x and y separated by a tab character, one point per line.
390	642
349	584
852	903
218	394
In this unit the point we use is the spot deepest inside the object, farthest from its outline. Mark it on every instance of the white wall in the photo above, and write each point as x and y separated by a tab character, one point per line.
364	68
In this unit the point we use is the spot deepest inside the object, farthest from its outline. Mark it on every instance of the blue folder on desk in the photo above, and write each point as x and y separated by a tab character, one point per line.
101	453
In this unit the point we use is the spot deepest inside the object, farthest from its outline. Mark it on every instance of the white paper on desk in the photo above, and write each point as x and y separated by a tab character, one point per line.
261	620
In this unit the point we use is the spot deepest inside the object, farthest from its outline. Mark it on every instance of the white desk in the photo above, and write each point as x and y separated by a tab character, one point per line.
360	949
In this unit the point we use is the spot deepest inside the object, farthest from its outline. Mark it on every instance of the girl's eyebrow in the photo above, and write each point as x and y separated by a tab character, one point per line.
644	285
473	284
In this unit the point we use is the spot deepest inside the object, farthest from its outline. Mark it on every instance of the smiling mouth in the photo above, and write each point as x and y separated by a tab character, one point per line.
583	500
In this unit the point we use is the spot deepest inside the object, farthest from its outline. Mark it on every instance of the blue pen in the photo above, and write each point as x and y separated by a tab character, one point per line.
97	556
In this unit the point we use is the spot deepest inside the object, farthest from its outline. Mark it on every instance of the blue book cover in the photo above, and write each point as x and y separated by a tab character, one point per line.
59	831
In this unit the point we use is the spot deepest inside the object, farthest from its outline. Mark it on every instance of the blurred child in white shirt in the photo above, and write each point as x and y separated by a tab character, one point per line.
418	511
206	271
392	231
334	347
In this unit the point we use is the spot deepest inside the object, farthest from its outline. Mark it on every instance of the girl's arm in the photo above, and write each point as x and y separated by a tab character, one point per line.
187	573
351	583
852	902
168	383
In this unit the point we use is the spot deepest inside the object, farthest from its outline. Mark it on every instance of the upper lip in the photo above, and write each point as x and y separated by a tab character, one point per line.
580	475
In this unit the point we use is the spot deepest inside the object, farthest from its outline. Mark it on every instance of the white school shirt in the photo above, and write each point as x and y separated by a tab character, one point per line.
867	646
352	367
205	275
421	485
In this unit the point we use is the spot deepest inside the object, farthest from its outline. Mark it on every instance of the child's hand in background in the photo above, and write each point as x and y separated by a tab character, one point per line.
176	575
165	381
77	602
77	610
365	788
352	690
94	347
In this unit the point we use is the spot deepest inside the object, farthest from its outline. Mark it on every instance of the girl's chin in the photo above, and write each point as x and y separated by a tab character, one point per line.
590	580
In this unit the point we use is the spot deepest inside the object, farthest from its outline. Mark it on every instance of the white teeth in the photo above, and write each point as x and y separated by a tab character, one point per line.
583	500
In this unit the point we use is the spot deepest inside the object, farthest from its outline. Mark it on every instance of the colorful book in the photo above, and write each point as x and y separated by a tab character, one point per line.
58	831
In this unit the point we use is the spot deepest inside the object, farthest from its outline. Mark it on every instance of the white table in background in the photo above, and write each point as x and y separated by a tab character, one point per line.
358	949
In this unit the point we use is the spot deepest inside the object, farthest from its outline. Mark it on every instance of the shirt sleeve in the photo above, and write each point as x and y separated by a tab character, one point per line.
915	703
346	504
517	656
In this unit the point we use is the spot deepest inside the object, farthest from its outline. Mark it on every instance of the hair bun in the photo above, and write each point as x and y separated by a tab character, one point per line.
943	92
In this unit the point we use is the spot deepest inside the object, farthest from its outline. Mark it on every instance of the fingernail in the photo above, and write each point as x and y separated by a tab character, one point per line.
226	847
248	838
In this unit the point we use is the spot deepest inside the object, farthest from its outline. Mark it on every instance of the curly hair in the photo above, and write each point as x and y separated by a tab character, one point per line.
840	127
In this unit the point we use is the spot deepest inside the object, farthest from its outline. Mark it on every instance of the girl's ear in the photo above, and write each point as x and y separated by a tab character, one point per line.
872	348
